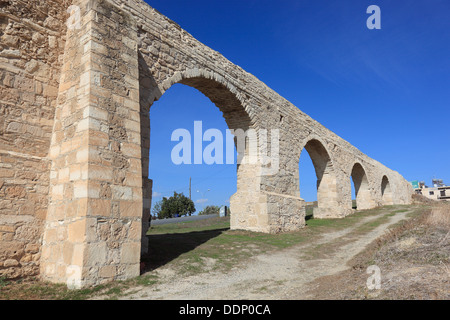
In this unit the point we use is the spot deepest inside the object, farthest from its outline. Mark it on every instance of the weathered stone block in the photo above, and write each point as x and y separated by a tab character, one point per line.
130	209
10	263
130	253
108	272
77	231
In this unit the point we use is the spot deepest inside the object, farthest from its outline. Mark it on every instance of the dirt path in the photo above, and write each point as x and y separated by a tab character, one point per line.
286	274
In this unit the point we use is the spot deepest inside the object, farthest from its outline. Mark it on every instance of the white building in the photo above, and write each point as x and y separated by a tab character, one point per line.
439	191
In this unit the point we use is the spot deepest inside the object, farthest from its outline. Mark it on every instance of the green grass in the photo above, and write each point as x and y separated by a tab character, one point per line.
338	224
35	290
18	290
369	226
3	282
190	226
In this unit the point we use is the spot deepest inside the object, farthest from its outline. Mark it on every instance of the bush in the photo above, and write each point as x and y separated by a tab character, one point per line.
178	204
210	210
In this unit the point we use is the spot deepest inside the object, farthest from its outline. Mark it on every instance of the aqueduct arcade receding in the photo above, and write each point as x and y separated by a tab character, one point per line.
75	196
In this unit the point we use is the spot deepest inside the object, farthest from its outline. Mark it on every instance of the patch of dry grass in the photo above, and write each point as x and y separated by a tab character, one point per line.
439	216
414	259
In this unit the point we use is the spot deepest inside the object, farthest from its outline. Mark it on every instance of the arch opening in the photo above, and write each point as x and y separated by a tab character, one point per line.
353	195
363	196
386	193
326	204
214	183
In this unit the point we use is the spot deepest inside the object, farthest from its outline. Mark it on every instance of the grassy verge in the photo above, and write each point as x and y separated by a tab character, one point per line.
191	226
31	289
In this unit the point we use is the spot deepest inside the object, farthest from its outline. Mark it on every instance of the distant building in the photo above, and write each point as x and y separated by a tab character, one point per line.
438	191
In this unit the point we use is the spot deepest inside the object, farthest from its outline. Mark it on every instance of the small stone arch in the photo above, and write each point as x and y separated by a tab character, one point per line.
386	192
327	191
364	197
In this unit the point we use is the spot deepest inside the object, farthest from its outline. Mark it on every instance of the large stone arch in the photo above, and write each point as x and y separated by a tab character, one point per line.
227	99
221	92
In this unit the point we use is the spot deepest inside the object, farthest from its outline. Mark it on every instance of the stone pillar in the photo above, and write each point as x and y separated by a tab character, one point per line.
267	193
94	221
327	197
248	205
364	200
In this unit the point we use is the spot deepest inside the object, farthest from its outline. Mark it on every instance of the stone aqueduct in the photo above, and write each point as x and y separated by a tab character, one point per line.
75	136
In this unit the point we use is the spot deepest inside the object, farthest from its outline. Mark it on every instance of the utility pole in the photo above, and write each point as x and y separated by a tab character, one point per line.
203	196
190	178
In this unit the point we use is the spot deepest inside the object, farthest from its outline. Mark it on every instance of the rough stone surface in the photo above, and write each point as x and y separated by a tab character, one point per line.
75	196
30	54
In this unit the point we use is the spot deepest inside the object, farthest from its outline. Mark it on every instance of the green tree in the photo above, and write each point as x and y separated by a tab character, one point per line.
157	208
210	210
177	204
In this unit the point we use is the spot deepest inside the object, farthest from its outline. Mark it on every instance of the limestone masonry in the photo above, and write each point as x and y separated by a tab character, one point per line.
75	195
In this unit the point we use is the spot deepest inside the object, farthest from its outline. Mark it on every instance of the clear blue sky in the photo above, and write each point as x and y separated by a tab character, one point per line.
385	91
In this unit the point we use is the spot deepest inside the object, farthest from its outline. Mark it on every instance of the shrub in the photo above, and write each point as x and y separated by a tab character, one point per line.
210	210
178	204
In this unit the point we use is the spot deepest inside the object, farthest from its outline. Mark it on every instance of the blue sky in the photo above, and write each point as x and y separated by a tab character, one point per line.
385	91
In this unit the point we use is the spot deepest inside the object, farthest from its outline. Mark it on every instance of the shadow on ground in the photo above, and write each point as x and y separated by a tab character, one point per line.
164	248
